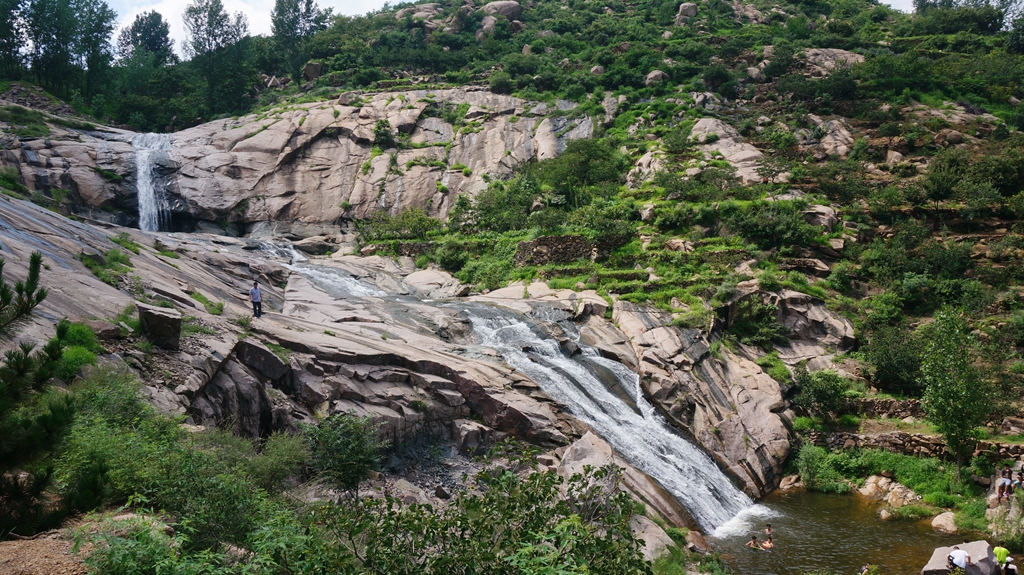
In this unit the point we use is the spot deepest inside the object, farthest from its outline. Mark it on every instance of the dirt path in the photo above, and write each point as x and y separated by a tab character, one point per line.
40	557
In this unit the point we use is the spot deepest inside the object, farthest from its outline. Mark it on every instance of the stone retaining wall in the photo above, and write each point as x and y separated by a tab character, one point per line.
890	408
909	444
554	250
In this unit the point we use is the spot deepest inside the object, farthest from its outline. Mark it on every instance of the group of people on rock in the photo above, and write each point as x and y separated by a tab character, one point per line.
958	558
765	545
1007	483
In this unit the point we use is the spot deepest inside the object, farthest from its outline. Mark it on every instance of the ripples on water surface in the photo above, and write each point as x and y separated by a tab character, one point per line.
817	531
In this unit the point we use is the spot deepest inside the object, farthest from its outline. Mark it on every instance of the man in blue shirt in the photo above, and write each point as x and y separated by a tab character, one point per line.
257	299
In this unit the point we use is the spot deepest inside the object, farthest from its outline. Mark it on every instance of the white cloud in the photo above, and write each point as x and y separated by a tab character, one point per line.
256	11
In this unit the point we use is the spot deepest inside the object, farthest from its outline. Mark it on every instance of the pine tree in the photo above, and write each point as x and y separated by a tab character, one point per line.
30	421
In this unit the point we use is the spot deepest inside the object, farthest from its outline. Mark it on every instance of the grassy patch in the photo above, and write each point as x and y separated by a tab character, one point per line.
107	174
213	308
279	351
124	239
773	366
110	268
191	325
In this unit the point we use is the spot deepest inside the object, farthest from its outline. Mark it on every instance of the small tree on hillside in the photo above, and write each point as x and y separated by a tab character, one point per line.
955	398
30	421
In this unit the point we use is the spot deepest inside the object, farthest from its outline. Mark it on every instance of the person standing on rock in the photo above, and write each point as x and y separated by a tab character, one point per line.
1001	554
257	300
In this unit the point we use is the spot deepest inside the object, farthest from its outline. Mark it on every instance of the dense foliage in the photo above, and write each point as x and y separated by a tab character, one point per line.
221	489
959	50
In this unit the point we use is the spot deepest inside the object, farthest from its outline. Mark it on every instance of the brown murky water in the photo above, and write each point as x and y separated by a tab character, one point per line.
817	531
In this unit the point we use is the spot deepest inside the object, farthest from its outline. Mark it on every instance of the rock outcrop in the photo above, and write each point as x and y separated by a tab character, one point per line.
309	164
728	142
161	325
729	405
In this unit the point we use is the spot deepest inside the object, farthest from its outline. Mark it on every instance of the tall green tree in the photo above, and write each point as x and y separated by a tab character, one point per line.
955	398
292	21
30	421
12	36
211	32
92	39
52	26
149	32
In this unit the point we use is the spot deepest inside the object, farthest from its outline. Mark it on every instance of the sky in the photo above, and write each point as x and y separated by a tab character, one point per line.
258	11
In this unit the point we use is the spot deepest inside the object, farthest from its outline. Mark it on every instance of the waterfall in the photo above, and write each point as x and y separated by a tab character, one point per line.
147	147
606	395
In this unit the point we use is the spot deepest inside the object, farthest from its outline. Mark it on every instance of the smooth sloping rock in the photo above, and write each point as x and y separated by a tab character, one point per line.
437	284
161	325
593	451
656	542
730	406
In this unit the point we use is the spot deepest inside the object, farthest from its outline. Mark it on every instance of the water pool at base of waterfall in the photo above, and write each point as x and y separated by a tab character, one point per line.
819	531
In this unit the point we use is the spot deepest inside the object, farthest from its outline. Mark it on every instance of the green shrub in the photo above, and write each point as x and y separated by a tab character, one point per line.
757	323
282	458
344	448
774	367
115	265
803	423
895	353
817	472
72	360
822	393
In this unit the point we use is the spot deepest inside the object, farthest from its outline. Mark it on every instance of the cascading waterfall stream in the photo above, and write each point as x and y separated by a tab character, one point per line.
637	432
147	147
603	393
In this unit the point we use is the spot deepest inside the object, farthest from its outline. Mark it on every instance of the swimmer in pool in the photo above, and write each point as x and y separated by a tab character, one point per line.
768	529
753	542
767	544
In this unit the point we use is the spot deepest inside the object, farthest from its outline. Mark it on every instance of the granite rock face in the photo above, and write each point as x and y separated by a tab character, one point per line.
310	164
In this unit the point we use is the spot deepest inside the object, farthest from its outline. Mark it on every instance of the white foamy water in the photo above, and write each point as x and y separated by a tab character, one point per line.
151	202
748	521
638	434
336	282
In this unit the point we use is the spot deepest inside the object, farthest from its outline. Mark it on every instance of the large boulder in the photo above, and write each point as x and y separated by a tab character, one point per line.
984	562
824	61
686	11
656	542
654	77
944	522
507	8
161	325
822	216
255	355
436	283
